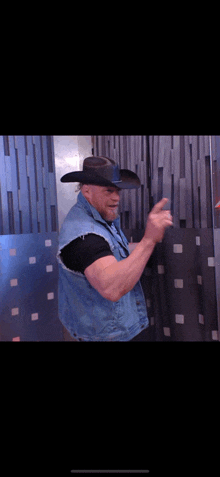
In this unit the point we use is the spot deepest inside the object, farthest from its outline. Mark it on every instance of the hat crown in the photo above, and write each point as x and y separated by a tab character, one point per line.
103	166
103	171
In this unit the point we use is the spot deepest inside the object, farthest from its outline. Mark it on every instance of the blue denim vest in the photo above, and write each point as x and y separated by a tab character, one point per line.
82	310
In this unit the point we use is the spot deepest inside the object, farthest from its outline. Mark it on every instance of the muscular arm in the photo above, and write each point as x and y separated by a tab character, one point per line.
114	279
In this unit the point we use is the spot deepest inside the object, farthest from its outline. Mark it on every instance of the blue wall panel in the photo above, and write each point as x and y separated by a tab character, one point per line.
28	240
4	222
27	172
28	307
32	185
23	191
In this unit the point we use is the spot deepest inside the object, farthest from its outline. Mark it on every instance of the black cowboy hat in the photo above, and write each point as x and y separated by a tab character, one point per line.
104	172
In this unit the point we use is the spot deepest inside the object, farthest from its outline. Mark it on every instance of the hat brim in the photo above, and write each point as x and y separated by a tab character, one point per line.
129	180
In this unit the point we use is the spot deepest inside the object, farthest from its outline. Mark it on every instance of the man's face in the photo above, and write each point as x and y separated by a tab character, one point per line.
104	199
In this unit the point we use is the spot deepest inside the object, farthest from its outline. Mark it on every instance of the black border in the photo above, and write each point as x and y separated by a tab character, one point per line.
110	406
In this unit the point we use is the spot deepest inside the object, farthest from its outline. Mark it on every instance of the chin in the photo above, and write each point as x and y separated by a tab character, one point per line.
109	216
113	217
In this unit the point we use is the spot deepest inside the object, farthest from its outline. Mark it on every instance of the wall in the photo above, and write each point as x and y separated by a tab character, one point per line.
179	281
28	240
184	272
69	154
29	223
130	152
215	163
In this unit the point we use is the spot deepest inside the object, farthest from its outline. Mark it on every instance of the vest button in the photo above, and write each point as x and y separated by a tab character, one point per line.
137	303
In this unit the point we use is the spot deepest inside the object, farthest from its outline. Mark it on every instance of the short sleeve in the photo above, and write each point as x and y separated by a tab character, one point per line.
82	252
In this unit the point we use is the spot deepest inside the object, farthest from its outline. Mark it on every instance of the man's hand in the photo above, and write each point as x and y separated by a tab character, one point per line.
158	220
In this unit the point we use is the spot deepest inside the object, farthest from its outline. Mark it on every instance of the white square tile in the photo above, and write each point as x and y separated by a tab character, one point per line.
50	296
13	252
14	282
197	240
215	335
179	319
17	338
166	331
49	268
160	269
34	317
178	283
152	321
201	320
177	248
48	243
211	261
32	260
148	303
199	279
14	311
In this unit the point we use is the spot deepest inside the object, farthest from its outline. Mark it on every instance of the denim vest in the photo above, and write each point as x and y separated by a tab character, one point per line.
82	310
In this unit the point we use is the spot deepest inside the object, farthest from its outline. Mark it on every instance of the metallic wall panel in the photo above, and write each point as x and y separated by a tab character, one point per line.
185	288
27	171
215	174
178	166
29	298
28	240
4	221
179	281
217	269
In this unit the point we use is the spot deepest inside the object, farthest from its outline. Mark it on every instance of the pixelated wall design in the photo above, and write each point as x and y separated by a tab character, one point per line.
28	201
28	240
179	280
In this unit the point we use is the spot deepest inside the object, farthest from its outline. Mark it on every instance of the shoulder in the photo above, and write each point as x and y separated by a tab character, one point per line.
88	241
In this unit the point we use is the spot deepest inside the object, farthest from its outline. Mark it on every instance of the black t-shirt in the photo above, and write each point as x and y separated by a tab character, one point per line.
83	251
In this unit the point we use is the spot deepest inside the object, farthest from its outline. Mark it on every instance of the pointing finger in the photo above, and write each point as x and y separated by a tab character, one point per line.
160	205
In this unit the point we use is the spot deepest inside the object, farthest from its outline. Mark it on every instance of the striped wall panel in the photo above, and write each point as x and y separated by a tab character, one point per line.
215	148
215	153
130	152
179	281
27	185
181	172
28	240
176	167
183	291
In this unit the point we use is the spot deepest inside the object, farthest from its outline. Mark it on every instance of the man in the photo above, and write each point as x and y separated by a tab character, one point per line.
100	295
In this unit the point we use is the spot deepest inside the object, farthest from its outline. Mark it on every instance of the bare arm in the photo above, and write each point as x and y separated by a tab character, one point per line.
114	279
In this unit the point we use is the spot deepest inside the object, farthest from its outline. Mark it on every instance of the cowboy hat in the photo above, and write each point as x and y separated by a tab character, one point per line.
100	170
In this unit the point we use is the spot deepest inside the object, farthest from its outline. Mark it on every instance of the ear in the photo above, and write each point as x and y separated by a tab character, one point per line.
86	189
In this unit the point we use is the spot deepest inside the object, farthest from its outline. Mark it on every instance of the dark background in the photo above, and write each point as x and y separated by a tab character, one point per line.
128	406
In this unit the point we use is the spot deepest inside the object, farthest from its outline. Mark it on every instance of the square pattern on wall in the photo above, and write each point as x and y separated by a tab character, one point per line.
29	288
186	305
